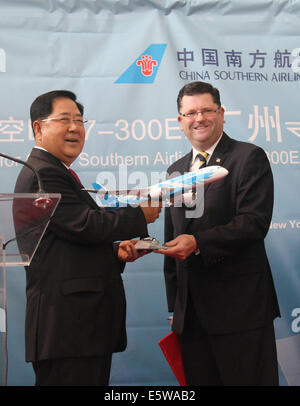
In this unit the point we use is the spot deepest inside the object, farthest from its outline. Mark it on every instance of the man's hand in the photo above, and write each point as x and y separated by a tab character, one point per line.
127	251
150	213
181	247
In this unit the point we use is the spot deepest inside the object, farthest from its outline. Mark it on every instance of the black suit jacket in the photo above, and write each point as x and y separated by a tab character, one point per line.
230	282
75	296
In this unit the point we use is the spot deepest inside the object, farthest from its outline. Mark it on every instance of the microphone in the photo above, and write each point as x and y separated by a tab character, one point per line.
40	202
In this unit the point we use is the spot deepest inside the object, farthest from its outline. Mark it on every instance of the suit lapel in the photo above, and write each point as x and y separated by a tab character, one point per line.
49	158
183	165
219	155
221	151
218	158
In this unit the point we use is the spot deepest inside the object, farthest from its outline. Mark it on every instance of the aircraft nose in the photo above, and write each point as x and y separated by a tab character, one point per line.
224	171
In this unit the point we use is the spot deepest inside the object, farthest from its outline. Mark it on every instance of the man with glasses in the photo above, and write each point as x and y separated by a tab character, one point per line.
75	316
218	279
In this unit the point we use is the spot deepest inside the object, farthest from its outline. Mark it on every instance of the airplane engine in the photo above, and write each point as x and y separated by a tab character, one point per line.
189	199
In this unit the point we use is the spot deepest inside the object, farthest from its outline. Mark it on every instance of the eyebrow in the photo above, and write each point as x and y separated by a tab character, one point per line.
69	114
204	108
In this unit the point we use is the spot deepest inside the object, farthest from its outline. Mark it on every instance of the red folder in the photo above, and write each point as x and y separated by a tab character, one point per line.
172	352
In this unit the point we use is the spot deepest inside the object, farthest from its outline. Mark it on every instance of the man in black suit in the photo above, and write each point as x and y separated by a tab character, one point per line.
218	279
75	316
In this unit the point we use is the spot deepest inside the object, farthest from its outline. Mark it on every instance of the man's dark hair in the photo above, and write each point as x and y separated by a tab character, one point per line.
194	88
42	106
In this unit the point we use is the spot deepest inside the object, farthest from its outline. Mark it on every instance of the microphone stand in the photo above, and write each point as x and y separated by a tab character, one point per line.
42	202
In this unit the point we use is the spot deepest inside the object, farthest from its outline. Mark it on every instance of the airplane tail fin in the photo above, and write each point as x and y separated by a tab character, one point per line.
98	186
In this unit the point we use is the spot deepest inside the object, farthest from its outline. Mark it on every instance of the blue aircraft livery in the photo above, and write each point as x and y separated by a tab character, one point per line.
183	186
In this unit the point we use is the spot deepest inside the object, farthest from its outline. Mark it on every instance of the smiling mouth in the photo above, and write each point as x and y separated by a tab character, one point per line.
202	127
72	141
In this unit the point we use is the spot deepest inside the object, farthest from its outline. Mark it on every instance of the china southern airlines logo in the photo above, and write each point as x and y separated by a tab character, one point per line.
145	67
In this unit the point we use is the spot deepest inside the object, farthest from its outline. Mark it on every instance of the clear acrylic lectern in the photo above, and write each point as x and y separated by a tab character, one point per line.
23	221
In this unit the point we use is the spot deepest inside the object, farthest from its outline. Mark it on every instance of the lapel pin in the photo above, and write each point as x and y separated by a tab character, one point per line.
218	160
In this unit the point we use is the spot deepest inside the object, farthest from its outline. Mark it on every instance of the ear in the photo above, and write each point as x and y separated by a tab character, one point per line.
222	112
179	119
37	132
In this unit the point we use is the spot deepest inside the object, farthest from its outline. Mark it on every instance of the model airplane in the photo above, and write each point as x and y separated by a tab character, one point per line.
178	190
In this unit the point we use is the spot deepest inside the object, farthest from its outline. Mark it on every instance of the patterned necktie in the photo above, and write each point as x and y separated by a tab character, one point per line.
203	159
75	176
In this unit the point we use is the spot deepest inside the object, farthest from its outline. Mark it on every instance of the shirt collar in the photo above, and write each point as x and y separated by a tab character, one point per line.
209	150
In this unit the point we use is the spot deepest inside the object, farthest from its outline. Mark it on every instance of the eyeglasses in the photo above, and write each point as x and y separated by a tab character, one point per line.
66	121
205	113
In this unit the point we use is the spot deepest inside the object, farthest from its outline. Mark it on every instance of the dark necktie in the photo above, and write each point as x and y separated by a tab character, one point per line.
203	159
75	176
